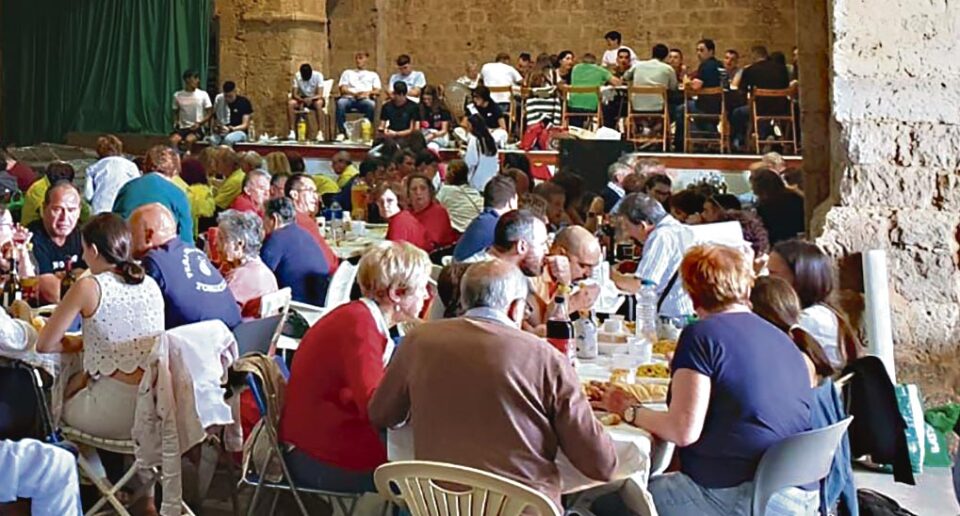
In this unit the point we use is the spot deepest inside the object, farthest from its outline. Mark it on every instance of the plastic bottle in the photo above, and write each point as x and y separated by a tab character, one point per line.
366	131
586	331
336	211
560	332
252	132
647	311
301	127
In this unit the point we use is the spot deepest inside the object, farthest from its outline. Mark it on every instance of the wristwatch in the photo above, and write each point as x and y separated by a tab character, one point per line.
630	413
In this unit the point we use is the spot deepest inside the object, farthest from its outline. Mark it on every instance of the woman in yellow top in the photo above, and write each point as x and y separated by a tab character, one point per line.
199	194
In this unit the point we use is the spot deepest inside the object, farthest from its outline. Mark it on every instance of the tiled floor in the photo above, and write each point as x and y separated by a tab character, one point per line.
932	496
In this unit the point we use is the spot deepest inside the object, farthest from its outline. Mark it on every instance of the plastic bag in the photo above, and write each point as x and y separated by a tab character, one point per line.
908	401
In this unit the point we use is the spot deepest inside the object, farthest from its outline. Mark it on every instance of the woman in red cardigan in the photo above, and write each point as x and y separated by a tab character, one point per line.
430	213
339	364
402	226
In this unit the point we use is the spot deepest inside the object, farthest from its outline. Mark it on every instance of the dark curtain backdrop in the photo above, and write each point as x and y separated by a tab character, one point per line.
97	65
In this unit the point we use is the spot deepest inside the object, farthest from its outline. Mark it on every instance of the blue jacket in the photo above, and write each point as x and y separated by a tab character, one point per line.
828	409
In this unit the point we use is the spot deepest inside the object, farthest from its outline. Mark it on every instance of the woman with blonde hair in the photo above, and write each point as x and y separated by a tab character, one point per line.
340	363
278	163
739	385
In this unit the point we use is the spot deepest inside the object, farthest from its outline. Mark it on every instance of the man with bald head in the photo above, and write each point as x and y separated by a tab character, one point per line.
156	186
193	289
518	402
56	238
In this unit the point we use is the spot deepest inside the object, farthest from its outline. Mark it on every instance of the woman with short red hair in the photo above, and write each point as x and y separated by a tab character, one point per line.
739	385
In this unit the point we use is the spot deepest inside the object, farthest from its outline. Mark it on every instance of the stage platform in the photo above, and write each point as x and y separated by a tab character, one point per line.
718	162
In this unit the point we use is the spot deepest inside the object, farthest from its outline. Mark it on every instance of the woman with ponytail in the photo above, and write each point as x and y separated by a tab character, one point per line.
122	312
776	301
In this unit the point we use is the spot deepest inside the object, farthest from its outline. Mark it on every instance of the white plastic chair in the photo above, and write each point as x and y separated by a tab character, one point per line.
417	486
797	460
276	303
338	292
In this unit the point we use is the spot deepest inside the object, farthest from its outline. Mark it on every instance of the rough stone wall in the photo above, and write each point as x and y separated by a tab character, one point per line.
895	172
442	35
263	43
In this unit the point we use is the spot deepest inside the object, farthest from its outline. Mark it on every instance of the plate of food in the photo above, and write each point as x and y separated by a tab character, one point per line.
642	392
656	371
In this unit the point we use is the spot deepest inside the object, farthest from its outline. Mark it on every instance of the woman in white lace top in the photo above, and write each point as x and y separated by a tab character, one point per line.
122	313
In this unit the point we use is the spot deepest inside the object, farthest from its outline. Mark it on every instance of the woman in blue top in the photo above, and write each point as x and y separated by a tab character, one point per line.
739	386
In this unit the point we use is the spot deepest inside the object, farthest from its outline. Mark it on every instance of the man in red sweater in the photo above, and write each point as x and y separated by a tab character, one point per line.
301	189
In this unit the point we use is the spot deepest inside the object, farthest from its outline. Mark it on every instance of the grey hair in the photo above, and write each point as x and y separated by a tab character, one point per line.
616	167
253	174
638	207
493	284
245	226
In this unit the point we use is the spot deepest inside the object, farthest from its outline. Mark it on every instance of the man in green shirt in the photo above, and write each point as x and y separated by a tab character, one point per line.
587	73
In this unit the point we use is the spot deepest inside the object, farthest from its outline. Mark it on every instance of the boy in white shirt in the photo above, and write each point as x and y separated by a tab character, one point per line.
613	40
192	111
306	92
414	79
359	89
499	74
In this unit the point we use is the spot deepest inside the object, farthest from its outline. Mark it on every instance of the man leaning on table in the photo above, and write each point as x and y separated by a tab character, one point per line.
495	398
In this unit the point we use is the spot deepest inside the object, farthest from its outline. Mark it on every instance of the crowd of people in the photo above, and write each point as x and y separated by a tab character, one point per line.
520	100
170	241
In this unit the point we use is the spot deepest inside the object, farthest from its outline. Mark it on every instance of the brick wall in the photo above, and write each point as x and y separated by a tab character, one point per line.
441	35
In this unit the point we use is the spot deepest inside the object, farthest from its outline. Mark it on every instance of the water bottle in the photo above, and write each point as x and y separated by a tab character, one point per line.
336	211
560	331
647	311
586	331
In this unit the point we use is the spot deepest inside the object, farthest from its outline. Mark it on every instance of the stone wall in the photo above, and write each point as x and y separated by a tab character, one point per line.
895	172
262	44
441	35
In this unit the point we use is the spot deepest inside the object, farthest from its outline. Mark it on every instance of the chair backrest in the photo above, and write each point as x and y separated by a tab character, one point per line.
20	404
275	303
439	489
785	93
338	291
256	336
594	90
797	460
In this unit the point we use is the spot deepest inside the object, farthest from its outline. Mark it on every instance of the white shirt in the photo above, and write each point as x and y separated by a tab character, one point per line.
44	473
308	88
360	81
610	56
191	106
491	315
481	167
617	188
104	180
662	253
415	79
382	326
822	324
221	110
499	75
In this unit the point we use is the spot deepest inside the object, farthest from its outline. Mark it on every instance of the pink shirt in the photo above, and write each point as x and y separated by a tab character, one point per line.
248	283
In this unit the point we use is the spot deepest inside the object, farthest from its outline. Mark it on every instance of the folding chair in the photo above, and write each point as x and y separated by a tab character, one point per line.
566	115
782	126
692	133
663	117
23	415
256	476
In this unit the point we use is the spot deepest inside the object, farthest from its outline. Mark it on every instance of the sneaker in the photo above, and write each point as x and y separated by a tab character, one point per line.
341	137
319	136
292	136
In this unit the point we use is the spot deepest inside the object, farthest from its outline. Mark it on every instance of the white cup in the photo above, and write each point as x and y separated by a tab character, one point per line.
613	325
358	228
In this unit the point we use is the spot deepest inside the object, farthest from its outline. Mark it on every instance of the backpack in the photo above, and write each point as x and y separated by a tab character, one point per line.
873	503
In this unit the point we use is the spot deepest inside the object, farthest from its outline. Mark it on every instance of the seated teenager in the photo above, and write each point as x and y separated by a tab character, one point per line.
306	93
293	255
193	289
435	119
238	244
399	117
339	364
491	113
430	213
724	411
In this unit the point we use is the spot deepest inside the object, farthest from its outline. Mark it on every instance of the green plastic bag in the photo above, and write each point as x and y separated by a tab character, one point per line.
940	422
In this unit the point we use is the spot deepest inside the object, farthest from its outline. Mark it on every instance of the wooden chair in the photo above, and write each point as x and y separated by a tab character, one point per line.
783	126
567	115
521	123
691	134
512	112
663	116
438	489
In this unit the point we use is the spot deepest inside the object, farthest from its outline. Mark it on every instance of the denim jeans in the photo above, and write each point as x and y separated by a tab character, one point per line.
676	494
229	139
353	105
310	473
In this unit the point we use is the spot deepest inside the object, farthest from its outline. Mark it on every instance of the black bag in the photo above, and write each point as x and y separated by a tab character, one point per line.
873	503
295	326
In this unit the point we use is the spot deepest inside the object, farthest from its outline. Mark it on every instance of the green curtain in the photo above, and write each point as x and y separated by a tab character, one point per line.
97	65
